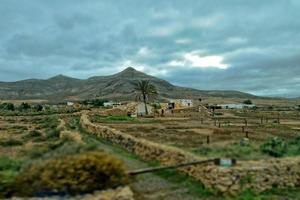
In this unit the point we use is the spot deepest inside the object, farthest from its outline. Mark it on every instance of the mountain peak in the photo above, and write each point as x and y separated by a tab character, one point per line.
60	77
129	70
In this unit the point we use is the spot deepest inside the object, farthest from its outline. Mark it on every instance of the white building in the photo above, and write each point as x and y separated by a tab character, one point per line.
186	102
111	104
236	106
69	103
108	104
180	103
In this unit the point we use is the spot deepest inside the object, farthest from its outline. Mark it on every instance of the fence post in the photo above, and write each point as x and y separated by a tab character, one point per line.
246	122
207	139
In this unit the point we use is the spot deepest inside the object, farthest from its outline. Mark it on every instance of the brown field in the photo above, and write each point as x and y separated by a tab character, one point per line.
190	131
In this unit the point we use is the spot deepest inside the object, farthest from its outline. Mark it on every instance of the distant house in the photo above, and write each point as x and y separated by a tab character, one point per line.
186	102
179	103
108	104
69	103
111	104
236	106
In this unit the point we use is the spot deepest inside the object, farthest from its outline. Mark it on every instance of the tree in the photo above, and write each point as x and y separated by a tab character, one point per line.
24	106
38	107
145	90
248	102
8	106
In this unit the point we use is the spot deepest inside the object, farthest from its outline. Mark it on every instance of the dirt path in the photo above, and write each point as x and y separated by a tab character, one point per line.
152	186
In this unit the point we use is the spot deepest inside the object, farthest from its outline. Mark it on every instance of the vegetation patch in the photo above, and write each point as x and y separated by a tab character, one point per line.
70	175
277	147
10	142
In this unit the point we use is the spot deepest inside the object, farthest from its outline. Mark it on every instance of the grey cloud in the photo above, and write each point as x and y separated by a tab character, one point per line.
257	39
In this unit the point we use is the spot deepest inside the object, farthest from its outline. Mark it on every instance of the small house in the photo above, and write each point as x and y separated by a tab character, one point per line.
236	106
69	103
179	103
111	104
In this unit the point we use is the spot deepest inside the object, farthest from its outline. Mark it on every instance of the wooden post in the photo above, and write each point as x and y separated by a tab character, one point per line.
247	136
243	129
216	161
246	122
208	139
215	122
278	119
219	124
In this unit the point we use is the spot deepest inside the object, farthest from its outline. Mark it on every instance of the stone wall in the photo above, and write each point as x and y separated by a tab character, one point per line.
256	175
121	193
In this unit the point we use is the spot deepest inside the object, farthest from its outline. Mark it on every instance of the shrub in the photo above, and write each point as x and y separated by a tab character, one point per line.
24	106
52	134
94	102
9	169
275	147
38	108
73	123
48	122
248	102
296	141
37	151
10	142
218	114
33	134
119	118
9	164
70	175
7	106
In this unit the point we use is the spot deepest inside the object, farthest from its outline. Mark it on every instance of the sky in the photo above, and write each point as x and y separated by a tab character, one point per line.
250	46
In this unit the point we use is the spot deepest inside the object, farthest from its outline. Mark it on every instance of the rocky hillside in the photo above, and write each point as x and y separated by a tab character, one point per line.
117	86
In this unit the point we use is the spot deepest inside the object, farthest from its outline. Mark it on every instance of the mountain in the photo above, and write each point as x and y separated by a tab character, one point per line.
118	86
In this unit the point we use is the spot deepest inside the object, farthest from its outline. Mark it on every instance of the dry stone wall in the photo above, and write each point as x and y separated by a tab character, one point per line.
256	175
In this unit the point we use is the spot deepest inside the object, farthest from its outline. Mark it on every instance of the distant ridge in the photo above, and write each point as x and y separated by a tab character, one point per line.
118	86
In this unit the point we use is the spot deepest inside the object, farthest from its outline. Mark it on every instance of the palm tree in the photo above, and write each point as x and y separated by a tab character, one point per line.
145	90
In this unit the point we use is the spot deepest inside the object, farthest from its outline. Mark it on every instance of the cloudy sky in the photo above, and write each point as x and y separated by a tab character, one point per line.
251	46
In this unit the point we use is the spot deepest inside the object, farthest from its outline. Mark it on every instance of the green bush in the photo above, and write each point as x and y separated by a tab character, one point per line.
48	123
94	102
33	134
70	175
9	169
24	106
73	123
52	134
7	106
9	164
37	151
248	102
10	142
38	107
274	147
119	118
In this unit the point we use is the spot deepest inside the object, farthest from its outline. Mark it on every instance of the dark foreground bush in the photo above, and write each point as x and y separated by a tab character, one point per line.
70	175
275	147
